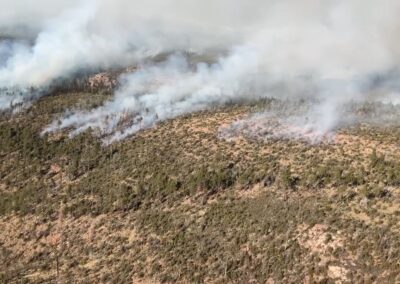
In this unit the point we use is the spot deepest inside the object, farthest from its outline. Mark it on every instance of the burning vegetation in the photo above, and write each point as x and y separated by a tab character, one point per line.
176	203
214	141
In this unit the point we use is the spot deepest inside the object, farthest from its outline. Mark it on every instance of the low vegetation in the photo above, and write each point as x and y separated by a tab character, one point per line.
178	204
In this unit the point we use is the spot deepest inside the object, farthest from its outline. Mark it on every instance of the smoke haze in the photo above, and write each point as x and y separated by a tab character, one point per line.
332	52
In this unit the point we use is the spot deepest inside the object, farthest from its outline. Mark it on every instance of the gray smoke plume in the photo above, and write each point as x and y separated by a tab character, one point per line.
166	90
332	52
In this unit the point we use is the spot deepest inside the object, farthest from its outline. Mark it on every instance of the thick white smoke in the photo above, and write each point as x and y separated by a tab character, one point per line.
170	89
332	51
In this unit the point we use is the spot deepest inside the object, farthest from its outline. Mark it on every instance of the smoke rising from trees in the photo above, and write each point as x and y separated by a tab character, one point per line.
333	52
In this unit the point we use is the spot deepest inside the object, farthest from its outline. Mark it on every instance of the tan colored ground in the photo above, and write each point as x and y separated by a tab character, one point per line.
178	204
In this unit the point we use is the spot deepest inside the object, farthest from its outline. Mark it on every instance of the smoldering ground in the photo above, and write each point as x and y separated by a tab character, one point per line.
297	120
331	53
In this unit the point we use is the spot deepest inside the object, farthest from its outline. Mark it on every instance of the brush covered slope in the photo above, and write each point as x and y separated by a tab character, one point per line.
178	203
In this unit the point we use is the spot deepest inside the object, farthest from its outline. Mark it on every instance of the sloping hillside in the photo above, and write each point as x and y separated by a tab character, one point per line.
179	203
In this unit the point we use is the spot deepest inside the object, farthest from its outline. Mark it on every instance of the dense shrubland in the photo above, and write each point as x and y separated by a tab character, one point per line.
197	208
